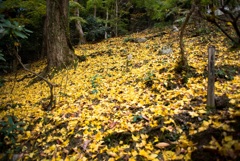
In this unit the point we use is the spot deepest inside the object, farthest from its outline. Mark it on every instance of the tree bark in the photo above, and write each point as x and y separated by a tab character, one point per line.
106	25
78	25
60	52
116	15
95	11
234	20
183	61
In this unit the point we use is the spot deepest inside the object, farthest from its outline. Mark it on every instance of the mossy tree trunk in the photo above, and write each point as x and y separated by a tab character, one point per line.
60	52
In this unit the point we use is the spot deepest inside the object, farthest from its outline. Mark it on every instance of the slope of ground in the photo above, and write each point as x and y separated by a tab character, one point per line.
126	102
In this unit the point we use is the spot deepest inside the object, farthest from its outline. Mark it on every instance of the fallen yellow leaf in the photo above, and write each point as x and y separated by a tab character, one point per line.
112	154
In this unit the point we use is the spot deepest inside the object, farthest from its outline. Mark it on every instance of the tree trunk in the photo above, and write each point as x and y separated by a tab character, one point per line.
78	25
60	52
183	61
106	24
116	15
95	11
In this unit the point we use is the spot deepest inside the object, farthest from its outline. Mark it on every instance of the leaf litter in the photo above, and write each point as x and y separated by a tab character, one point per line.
126	102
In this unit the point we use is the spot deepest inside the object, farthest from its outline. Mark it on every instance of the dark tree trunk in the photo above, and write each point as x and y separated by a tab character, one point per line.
60	52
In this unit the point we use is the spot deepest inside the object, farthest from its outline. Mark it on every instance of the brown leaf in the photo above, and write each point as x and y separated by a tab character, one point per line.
145	117
85	144
65	151
17	157
162	145
112	124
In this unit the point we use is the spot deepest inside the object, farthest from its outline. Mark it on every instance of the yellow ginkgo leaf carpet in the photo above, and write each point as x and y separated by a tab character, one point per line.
126	101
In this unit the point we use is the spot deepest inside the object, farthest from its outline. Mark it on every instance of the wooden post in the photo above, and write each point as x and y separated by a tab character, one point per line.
211	77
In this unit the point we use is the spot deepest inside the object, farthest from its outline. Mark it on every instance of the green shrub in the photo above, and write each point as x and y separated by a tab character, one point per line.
94	29
9	128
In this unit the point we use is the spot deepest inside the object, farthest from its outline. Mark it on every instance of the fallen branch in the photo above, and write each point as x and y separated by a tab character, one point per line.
51	104
25	77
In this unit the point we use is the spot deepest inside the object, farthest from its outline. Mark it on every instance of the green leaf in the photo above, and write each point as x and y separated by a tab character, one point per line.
13	140
15	23
75	18
2	56
8	131
7	24
3	123
73	4
10	120
2	30
95	91
20	34
20	129
27	31
137	118
6	32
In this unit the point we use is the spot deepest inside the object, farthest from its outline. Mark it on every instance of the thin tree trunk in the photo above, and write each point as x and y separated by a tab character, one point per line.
183	60
95	11
78	25
106	24
234	23
235	26
116	15
223	31
60	52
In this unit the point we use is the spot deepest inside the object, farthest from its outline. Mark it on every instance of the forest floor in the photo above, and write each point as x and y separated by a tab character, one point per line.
126	102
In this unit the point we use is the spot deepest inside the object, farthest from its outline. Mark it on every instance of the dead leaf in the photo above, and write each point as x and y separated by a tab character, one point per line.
17	157
162	145
112	124
145	117
85	144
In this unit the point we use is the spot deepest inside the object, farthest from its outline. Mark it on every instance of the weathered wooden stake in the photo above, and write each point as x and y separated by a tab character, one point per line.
211	77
